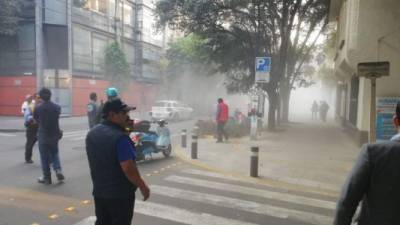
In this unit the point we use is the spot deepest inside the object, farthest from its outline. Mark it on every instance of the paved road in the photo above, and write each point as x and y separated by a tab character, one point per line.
181	193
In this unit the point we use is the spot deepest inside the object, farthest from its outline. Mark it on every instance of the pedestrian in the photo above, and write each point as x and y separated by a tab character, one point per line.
47	115
111	93
323	110
374	181
314	110
115	176
31	128
25	103
221	119
92	108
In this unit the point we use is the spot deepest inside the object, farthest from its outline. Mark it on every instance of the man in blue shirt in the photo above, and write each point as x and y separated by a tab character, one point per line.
47	114
115	176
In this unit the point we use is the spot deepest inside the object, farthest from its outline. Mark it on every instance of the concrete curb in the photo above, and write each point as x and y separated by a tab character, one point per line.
12	130
267	181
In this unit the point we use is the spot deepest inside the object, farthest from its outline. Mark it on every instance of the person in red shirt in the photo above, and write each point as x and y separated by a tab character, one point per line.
221	118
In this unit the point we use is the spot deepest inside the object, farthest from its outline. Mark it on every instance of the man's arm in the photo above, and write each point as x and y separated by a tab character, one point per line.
354	189
133	175
126	158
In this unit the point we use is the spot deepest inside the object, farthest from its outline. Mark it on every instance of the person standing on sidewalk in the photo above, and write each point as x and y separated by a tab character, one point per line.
115	176
92	108
111	93
314	110
374	181
47	115
31	128
221	118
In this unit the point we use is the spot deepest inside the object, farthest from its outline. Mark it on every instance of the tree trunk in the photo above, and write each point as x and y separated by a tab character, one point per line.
285	105
272	97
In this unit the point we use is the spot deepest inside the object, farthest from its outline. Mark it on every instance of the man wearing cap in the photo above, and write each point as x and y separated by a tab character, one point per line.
115	176
47	115
374	181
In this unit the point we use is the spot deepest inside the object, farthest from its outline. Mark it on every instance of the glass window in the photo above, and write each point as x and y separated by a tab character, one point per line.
128	15
99	45
98	5
82	49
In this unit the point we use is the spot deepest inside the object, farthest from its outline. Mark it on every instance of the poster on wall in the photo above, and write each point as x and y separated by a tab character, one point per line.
385	109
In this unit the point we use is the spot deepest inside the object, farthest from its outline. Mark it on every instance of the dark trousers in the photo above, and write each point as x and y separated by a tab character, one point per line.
114	211
221	131
31	138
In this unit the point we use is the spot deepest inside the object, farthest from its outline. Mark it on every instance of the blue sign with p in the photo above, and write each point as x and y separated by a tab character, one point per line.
263	64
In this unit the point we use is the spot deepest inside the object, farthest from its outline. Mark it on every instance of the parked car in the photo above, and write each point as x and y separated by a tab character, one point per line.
170	110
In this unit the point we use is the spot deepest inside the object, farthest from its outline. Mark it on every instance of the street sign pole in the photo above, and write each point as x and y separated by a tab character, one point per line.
372	71
372	123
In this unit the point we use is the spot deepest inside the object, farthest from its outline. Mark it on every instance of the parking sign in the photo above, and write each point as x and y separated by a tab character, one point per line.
263	69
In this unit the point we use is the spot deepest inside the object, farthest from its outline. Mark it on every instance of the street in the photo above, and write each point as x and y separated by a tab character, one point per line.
181	193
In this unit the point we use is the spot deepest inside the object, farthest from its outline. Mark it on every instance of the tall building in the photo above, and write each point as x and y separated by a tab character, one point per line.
60	44
367	31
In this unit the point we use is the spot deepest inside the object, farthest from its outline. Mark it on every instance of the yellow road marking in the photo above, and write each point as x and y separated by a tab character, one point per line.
86	202
148	175
53	216
162	169
156	172
168	167
70	209
34	224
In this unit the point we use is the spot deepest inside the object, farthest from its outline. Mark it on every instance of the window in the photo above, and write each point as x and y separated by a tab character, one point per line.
130	55
82	49
99	45
98	5
128	15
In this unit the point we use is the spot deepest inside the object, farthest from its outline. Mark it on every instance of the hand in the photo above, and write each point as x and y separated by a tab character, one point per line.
144	189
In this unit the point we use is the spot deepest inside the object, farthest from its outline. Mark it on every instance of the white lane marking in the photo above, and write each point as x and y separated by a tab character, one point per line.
79	138
175	135
87	221
7	135
183	215
211	174
243	205
75	133
253	191
175	214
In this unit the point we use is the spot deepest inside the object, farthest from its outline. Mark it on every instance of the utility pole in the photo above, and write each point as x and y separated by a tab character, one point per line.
39	43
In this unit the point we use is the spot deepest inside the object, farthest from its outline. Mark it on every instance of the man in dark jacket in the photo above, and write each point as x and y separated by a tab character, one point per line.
115	177
92	108
47	115
374	180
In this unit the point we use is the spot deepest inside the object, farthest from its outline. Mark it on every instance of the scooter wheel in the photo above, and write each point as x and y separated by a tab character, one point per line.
167	152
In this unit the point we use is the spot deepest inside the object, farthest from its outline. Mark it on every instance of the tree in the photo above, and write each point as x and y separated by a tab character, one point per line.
311	21
237	31
9	16
116	66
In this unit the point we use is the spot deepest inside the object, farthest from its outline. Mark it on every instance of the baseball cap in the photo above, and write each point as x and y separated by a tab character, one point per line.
116	105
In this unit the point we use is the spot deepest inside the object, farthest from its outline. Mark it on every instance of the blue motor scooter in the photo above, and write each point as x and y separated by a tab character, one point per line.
148	142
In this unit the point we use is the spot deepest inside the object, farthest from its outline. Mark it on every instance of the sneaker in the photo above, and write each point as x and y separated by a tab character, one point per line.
60	176
44	180
29	161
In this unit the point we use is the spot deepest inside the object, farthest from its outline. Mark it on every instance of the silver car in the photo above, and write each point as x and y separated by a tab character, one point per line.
170	110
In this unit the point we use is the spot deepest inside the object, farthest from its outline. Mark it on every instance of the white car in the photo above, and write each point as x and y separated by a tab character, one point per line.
170	110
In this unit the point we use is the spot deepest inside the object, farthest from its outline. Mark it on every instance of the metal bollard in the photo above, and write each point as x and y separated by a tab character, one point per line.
254	162
194	146
184	136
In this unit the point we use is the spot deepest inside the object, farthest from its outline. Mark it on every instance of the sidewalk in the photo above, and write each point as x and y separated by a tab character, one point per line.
310	154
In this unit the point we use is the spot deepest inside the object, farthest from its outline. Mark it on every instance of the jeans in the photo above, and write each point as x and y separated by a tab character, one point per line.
48	150
221	131
114	211
31	138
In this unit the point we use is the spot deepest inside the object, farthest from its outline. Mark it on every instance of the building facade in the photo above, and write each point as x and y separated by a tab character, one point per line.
367	31
61	45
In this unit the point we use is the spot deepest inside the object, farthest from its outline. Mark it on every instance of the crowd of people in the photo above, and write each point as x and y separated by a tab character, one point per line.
320	110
